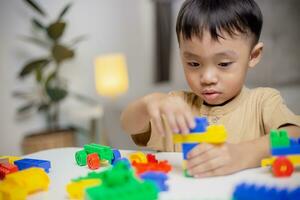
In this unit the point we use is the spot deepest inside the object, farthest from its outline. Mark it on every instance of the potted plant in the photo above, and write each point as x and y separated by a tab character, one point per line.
51	88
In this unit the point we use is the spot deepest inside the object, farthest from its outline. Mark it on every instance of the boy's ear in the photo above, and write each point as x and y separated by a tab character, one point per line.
256	54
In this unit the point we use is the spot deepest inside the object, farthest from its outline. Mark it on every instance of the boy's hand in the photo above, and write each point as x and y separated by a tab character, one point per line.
173	108
214	160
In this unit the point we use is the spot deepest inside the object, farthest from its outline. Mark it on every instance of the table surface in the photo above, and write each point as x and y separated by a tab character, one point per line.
64	168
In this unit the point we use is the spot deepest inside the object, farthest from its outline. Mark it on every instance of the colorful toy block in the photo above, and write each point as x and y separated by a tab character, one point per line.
214	134
11	159
285	154
138	157
250	191
27	163
76	190
160	166
124	160
7	168
151	158
116	156
158	178
104	153
19	184
93	161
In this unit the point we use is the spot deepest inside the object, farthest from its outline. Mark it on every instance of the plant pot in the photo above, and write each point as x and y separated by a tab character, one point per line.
48	140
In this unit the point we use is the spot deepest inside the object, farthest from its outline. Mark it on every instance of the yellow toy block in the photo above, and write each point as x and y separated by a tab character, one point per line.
76	189
11	159
269	161
215	134
138	157
18	185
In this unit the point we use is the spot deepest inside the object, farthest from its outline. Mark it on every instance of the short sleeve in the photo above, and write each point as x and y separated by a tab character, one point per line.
275	112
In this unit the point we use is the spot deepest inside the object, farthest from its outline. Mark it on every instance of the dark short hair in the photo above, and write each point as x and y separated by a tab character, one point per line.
217	16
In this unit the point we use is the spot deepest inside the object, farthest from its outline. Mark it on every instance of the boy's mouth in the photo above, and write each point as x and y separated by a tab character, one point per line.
210	95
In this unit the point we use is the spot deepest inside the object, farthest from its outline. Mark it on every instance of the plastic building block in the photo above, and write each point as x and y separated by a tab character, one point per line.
93	161
215	134
249	192
7	168
285	153
151	158
124	160
161	166
186	147
293	148
116	156
27	163
158	178
201	125
19	184
138	157
76	190
80	157
279	138
11	159
104	152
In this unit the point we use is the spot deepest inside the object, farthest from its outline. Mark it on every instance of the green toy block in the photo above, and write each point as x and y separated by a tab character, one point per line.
104	152
186	174
279	138
80	157
131	191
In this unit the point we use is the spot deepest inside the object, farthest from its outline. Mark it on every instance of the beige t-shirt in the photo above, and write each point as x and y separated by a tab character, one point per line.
248	116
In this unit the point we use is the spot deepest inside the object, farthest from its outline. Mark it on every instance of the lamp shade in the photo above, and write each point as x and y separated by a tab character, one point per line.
111	75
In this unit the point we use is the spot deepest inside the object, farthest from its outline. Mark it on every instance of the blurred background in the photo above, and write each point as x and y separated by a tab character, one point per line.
136	37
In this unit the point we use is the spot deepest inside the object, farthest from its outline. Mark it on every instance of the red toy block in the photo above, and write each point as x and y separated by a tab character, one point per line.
7	168
161	166
93	161
151	158
282	167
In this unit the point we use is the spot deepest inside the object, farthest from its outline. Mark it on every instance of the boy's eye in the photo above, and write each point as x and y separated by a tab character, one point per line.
225	64
193	64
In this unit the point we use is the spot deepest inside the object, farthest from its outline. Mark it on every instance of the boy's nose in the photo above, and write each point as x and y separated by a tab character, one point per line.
209	77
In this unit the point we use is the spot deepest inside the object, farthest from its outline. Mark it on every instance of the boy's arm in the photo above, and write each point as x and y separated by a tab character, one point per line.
135	117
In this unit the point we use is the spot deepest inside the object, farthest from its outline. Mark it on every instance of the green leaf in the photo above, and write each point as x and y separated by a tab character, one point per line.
25	108
31	66
36	41
55	30
64	11
38	24
56	94
36	7
60	53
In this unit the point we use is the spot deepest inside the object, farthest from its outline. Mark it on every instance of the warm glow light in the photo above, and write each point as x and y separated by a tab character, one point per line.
111	75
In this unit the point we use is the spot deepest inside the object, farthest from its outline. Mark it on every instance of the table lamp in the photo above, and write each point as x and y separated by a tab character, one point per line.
111	78
111	75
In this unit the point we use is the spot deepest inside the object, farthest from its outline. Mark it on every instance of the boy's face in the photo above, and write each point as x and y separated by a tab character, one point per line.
216	70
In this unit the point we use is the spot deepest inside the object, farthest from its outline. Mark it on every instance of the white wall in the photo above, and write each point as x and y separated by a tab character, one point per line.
111	26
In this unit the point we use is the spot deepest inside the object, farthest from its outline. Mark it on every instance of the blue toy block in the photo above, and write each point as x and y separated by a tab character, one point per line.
201	124
186	147
124	160
116	155
250	191
27	163
159	178
294	148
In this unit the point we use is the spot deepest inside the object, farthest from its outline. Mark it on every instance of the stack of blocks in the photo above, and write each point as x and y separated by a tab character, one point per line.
215	134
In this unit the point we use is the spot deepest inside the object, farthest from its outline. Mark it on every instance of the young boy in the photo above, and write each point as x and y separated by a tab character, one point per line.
219	42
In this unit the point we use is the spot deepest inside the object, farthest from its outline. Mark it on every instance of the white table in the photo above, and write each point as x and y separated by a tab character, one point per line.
64	168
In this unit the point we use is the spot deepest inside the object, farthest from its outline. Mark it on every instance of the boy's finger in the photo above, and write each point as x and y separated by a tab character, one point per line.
216	172
158	122
199	149
206	167
190	120
202	158
182	124
172	122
